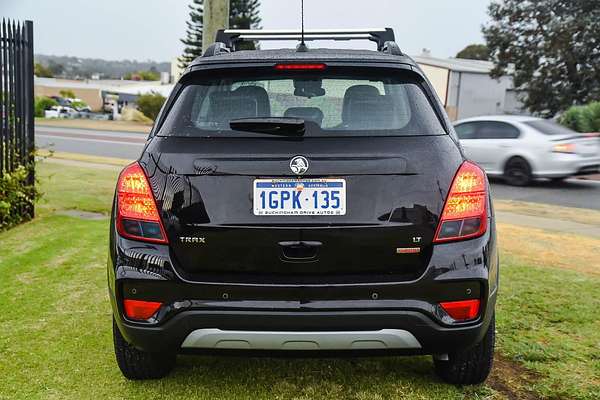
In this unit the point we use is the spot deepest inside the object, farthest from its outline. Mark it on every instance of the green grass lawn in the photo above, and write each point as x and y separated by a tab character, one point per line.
55	335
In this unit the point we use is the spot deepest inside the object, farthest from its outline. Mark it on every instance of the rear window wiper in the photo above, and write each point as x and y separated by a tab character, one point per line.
272	126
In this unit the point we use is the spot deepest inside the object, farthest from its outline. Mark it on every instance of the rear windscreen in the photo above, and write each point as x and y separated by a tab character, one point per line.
549	127
330	104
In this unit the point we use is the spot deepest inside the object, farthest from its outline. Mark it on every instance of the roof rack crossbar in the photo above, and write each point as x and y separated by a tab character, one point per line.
230	37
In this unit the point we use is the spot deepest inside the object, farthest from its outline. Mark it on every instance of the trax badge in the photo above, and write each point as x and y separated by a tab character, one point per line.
299	165
191	239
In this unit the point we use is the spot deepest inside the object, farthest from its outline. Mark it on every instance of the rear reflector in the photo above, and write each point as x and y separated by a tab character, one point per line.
137	214
465	211
300	67
140	310
462	310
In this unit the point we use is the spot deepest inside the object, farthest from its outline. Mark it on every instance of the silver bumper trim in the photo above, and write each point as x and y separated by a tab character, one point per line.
268	340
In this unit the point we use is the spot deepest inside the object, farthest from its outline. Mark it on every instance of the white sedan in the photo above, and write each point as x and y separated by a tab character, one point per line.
520	149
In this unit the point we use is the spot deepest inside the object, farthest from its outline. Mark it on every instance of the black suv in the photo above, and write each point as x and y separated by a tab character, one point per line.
301	200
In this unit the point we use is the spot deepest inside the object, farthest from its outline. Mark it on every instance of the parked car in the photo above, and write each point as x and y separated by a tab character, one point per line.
74	103
60	112
61	101
520	149
303	201
80	105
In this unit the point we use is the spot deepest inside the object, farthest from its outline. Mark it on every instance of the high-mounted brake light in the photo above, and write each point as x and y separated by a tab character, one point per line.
462	310
140	310
465	211
137	215
300	67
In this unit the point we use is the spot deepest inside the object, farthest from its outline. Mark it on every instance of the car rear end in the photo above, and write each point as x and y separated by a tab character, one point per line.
365	232
566	152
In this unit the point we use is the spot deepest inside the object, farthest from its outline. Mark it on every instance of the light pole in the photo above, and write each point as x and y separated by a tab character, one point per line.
216	16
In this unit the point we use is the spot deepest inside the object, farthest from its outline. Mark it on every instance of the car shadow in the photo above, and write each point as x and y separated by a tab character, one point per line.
572	184
309	377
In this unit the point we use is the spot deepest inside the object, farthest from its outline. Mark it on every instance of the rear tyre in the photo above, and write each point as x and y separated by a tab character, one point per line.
517	172
471	366
136	364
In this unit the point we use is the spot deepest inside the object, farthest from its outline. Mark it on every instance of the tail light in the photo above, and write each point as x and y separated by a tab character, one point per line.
465	211
137	215
564	148
140	310
462	310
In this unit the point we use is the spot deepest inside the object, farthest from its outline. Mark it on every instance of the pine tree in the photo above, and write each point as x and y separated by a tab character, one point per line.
193	38
243	14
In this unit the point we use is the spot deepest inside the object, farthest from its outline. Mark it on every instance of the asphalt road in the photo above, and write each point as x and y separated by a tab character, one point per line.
125	145
571	193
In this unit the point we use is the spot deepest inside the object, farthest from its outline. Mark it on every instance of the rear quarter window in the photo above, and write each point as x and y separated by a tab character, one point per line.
331	104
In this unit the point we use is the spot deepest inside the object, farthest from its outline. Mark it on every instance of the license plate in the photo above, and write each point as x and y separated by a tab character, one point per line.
299	197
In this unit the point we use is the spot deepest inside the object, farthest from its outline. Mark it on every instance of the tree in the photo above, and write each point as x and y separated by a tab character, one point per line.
193	34
55	68
41	104
150	104
553	46
41	71
243	14
142	76
474	52
67	94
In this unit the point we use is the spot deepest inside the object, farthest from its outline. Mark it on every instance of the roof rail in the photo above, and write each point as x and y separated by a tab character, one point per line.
392	48
230	37
215	49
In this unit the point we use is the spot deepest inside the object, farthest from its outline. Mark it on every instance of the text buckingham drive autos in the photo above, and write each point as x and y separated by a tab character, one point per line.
301	201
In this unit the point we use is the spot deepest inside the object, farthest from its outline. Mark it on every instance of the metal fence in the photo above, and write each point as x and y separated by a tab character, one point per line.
16	98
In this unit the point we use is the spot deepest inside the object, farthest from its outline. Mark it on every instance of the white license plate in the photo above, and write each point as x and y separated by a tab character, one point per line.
299	197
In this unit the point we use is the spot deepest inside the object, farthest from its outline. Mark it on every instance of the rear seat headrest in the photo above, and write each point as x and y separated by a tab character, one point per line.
307	113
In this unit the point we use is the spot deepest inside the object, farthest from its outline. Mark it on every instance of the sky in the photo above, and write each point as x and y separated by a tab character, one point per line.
151	29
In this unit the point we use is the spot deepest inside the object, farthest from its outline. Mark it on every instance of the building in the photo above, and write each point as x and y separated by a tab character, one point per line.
176	70
95	92
88	91
466	88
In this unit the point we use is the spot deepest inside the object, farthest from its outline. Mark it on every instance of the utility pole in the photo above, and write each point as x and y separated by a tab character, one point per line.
216	16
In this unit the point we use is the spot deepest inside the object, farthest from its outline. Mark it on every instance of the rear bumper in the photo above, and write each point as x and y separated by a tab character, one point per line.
357	331
560	165
211	338
351	312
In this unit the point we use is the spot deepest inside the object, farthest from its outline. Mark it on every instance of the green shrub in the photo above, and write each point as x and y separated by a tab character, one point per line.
17	197
142	76
592	114
78	104
150	104
582	118
41	71
67	94
43	103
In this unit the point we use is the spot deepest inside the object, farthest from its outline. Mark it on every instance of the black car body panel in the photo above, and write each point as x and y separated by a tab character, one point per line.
390	185
226	268
455	271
